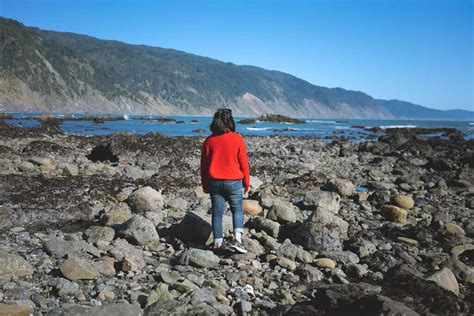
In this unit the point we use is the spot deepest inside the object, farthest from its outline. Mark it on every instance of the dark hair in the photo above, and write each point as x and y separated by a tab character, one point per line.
222	122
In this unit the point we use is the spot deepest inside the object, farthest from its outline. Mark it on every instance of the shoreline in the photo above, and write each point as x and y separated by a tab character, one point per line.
386	222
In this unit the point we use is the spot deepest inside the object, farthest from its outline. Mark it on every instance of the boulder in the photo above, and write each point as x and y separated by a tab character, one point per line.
454	229
194	229
77	248
199	258
14	310
118	215
323	231
251	207
286	263
282	212
13	265
78	269
145	199
403	201
264	224
140	230
131	257
179	204
100	235
325	263
394	213
342	186
328	201
310	273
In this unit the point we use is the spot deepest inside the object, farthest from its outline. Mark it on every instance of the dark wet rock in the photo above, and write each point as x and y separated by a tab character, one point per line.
276	118
247	121
194	229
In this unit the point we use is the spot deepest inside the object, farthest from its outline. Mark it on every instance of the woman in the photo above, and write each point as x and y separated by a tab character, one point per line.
224	171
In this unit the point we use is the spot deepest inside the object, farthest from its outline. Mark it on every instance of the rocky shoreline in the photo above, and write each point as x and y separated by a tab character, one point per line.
118	225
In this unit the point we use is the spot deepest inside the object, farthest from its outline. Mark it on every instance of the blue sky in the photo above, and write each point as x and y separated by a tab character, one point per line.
415	50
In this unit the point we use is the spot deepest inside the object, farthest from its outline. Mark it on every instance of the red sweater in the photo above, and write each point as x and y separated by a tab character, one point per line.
224	157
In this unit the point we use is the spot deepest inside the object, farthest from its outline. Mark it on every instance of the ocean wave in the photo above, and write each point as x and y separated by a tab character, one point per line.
321	121
258	128
397	126
471	123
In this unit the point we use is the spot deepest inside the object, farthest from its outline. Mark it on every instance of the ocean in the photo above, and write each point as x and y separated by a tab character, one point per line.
314	127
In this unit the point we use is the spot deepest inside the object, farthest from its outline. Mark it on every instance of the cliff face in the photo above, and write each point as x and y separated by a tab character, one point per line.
71	73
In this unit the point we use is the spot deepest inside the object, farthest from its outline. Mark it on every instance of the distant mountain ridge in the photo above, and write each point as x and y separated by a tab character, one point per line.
71	73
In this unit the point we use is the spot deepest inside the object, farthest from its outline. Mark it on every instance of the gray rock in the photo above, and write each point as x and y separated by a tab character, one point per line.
118	215
346	257
77	248
170	277
161	293
140	230
342	186
323	200
132	257
13	265
97	234
264	224
78	269
177	204
194	229
324	231
291	251
200	258
282	212
145	199
66	287
70	170
376	185
134	172
446	279
245	306
310	274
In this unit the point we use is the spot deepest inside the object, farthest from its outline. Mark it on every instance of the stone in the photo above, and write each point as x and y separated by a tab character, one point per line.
161	293
13	265
365	248
255	182
252	207
77	248
376	185
310	273
26	166
140	230
106	295
454	229
199	192
324	231
199	258
134	172
324	200
264	224
106	266
179	204
170	277
14	310
282	212
245	306
286	263
186	286
342	186
95	234
194	229
325	263
118	215
66	287
70	170
291	251
403	201
132	258
394	213
78	269
445	279
145	199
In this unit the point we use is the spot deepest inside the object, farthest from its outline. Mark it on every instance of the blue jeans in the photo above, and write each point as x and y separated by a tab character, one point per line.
230	191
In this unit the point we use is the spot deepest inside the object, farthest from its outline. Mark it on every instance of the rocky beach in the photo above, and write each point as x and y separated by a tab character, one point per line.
119	225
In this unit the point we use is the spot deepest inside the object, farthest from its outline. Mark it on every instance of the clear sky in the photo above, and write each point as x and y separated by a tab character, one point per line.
415	50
